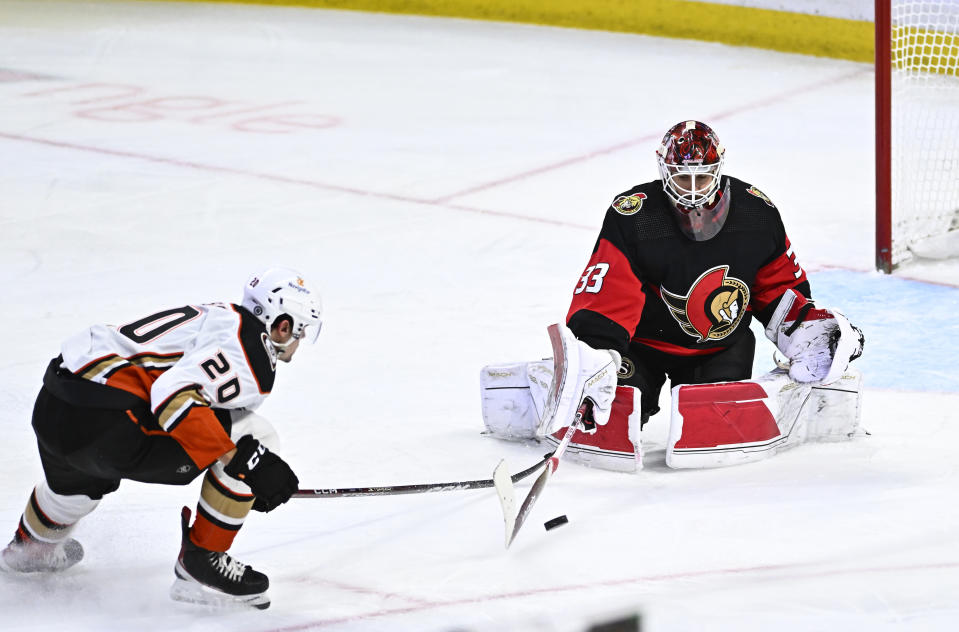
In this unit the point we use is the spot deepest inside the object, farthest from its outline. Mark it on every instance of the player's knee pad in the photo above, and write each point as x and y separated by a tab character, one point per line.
513	397
617	445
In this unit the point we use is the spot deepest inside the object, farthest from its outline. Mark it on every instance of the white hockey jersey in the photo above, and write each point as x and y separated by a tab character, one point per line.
184	362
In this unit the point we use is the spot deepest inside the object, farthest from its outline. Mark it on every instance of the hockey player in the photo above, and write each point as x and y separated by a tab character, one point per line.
161	400
681	266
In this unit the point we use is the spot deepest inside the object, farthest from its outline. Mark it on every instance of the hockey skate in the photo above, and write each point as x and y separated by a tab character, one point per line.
26	554
215	579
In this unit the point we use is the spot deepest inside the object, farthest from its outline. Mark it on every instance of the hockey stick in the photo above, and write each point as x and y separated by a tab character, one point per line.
390	490
504	486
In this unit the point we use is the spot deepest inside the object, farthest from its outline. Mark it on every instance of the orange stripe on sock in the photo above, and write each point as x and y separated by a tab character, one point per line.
209	536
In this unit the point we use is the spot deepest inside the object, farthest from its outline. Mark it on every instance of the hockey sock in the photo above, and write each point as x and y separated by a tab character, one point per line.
219	514
49	516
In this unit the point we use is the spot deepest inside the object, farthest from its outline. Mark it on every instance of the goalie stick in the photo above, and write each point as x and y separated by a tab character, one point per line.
390	490
514	518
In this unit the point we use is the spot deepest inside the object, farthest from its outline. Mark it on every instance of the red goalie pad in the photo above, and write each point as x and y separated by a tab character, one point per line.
738	422
614	446
723	414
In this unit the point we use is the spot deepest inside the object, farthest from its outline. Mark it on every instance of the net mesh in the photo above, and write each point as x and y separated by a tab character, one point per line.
925	122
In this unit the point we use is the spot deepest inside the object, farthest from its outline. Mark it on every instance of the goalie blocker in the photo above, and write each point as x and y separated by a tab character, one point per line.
712	425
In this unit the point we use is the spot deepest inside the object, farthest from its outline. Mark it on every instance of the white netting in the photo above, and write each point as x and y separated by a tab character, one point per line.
925	123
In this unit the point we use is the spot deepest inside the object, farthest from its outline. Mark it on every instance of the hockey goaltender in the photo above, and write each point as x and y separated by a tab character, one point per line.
680	267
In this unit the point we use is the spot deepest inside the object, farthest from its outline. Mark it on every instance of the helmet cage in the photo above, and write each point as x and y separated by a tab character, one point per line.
691	185
691	161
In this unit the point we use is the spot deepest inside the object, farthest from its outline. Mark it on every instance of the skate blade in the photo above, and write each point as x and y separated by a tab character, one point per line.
191	592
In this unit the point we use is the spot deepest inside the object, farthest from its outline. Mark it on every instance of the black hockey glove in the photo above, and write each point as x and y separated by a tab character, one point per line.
269	477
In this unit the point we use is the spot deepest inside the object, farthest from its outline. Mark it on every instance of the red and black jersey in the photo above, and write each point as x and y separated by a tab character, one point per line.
648	283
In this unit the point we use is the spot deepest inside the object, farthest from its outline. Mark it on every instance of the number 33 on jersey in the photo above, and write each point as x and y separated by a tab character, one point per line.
592	280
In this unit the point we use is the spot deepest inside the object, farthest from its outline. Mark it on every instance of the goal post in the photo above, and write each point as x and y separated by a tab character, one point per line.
917	130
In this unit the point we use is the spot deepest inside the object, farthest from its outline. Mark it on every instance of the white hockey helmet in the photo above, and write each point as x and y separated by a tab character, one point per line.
277	292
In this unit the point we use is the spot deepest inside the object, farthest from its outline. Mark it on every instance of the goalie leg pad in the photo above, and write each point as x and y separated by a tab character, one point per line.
728	423
514	396
615	446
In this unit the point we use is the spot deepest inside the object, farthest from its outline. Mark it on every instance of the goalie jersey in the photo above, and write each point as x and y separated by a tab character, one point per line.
647	283
184	363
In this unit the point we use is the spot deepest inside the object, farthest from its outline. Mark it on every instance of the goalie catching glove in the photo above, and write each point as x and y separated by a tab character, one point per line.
268	476
819	343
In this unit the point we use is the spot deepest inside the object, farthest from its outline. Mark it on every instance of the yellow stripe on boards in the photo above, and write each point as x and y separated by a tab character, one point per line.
727	24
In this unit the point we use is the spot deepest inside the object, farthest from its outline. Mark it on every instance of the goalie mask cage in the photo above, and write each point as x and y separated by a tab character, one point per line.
917	130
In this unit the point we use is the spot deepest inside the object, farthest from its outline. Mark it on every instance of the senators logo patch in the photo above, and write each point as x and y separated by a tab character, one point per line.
629	204
712	308
762	196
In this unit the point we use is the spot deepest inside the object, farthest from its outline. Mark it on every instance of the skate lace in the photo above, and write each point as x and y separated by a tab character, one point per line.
227	566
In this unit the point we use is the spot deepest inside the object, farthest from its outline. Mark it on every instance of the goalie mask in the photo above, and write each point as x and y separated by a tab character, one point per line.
279	292
690	164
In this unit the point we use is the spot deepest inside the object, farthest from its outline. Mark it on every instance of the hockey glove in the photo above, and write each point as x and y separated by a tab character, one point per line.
819	343
268	476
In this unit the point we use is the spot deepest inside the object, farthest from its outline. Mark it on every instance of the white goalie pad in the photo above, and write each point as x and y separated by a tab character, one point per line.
514	397
729	423
616	446
525	400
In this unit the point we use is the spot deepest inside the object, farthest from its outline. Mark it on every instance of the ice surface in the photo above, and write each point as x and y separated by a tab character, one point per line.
443	182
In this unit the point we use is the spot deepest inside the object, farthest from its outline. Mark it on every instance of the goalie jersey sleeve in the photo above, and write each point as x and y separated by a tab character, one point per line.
184	362
609	298
646	283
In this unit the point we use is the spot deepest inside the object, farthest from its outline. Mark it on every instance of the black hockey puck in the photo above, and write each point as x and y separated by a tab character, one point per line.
555	522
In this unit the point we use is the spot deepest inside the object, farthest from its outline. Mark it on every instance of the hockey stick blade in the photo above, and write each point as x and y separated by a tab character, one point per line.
507	498
392	490
514	518
504	489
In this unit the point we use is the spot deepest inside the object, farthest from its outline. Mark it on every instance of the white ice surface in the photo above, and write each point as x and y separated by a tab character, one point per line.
443	181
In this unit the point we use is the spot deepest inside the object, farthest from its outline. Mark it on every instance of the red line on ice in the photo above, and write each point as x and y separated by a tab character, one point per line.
649	138
176	162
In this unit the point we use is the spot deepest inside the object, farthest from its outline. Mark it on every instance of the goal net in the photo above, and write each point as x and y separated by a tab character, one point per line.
920	212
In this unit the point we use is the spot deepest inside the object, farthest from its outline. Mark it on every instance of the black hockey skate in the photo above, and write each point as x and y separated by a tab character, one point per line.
26	554
215	579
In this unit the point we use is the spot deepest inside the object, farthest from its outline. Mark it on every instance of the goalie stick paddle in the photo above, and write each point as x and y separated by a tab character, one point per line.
390	490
